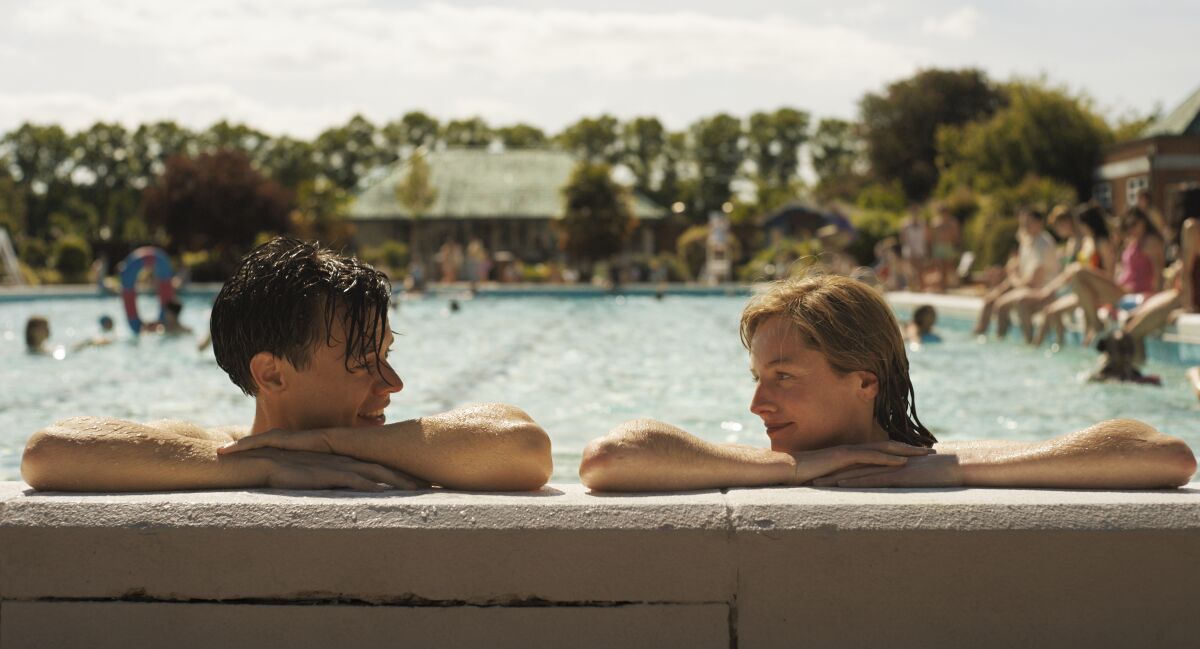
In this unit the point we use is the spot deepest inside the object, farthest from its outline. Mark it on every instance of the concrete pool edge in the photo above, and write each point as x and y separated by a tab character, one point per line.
748	567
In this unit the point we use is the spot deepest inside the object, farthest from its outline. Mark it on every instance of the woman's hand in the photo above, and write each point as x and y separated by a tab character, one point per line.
813	466
929	471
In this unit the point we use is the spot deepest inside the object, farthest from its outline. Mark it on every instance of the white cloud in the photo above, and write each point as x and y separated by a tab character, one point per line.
960	23
437	41
195	106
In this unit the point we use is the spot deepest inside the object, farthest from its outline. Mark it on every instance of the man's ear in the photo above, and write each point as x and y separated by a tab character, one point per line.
868	385
267	371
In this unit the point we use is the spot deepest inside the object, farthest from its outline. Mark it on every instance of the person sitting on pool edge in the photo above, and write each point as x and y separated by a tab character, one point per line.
305	332
834	394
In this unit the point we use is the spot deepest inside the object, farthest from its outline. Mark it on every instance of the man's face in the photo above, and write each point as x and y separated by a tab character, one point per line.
326	394
804	403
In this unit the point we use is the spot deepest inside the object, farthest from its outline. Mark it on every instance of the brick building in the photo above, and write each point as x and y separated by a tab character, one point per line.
1163	161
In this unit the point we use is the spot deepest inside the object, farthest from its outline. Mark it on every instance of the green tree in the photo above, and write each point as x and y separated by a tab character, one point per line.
718	154
597	216
40	162
216	202
472	133
1043	131
104	175
151	145
321	211
837	158
643	141
592	139
774	141
412	131
346	153
415	191
900	126
289	161
240	137
521	136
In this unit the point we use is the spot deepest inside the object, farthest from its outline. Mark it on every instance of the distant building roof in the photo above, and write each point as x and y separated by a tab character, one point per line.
1184	120
478	183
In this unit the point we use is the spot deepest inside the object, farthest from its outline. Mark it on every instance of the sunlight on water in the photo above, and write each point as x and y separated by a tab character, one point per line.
578	366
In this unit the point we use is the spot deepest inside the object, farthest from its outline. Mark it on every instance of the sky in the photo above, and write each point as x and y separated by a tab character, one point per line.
298	66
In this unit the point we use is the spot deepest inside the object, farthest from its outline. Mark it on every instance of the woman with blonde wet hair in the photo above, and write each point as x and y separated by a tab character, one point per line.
834	394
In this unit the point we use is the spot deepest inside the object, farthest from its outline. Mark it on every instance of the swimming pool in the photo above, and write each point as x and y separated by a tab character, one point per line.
578	365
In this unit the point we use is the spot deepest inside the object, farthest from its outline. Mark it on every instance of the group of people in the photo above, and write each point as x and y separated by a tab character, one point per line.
922	257
305	332
37	331
1128	276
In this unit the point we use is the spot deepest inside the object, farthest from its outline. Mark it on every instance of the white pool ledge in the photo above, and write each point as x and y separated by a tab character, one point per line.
565	568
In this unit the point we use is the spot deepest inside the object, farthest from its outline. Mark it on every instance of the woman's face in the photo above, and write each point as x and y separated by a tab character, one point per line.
803	402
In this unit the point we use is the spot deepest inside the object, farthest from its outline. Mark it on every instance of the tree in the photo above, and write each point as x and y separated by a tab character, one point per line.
593	139
413	131
104	173
289	162
836	153
521	136
346	153
40	162
414	191
643	140
774	141
225	135
151	145
900	127
1043	131
471	133
216	202
718	152
597	216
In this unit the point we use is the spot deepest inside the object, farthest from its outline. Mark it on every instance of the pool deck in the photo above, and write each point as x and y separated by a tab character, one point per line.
564	567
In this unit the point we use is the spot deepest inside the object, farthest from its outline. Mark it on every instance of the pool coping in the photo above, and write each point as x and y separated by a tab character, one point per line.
751	567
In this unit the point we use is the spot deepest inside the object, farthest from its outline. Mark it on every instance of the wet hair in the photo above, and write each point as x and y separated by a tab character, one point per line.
106	322
1034	214
923	312
1135	215
284	299
1093	217
852	326
34	323
175	307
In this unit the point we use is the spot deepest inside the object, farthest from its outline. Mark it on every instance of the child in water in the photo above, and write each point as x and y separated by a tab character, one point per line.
920	330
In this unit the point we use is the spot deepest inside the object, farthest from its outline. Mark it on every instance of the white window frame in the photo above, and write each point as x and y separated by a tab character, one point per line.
1133	187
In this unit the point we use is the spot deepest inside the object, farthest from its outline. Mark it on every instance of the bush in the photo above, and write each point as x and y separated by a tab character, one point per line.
797	255
72	259
873	226
536	273
990	233
692	249
391	255
34	252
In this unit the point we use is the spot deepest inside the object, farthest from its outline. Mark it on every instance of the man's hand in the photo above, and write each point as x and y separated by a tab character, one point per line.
314	441
929	471
285	469
814	467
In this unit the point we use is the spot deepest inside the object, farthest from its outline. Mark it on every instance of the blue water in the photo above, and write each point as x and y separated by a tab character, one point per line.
579	366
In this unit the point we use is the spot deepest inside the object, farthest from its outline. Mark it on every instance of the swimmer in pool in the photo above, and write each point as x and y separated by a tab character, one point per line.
837	404
920	330
305	332
104	338
37	332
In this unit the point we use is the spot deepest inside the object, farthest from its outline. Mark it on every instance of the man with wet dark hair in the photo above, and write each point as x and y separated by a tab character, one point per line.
305	332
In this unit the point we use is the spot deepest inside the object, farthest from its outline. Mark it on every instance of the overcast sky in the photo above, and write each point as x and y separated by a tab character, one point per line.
298	66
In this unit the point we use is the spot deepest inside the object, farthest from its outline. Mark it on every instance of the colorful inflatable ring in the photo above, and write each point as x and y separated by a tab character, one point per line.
131	267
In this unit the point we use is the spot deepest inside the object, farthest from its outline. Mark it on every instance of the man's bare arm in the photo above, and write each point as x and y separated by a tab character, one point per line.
1113	454
489	447
649	455
103	454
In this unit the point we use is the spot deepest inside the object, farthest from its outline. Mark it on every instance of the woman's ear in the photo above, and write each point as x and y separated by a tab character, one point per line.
267	371
868	385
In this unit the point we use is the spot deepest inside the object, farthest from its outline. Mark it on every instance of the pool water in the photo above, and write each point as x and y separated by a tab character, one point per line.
579	366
